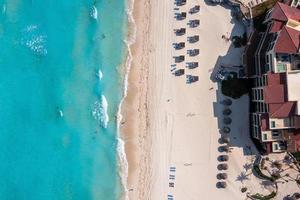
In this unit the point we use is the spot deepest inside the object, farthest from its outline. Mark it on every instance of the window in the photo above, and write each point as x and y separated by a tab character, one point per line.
265	136
273	124
275	134
275	146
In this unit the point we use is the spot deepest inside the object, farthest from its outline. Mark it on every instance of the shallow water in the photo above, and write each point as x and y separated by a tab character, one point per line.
52	144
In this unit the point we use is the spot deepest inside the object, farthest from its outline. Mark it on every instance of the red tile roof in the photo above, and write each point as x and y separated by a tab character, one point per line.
275	91
282	110
288	41
276	26
276	97
283	12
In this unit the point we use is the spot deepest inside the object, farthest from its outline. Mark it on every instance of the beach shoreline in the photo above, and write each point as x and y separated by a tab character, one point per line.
130	107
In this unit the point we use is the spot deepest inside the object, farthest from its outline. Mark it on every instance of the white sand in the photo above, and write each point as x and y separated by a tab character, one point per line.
171	123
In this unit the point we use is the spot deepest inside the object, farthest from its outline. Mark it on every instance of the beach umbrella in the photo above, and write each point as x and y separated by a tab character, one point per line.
224	139
227	120
221	184
226	129
224	148
223	158
221	176
222	166
227	102
227	111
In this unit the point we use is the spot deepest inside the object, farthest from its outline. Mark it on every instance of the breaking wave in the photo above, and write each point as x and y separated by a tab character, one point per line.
100	112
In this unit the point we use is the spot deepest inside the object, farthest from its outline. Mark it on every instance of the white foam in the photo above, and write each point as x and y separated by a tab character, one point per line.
100	74
94	12
61	114
34	40
131	37
100	112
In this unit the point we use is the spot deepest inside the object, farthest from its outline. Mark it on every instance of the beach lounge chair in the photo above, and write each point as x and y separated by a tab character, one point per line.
171	184
193	39
194	9
179	72
179	45
192	65
179	59
180	16
191	79
180	31
193	52
194	23
180	2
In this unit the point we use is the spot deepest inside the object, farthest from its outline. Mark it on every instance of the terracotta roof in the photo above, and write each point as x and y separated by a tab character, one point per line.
282	110
275	91
276	26
283	12
288	41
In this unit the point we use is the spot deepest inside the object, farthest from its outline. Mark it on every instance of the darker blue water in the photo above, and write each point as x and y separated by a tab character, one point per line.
54	137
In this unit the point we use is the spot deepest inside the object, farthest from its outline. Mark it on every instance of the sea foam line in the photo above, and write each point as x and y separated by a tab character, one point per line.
131	37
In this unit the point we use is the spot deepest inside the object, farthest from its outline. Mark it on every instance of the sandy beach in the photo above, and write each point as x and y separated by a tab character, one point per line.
169	123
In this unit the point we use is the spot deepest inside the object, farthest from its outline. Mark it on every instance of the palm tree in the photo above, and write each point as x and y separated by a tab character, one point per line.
247	166
242	177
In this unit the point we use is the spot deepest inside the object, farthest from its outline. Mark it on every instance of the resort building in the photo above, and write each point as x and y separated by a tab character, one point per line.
272	62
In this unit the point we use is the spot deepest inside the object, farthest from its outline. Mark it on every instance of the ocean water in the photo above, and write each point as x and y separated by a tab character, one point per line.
60	87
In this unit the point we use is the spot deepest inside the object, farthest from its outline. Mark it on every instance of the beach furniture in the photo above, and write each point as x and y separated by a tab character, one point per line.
224	139
193	39
226	129
191	79
193	52
221	184
221	176
224	148
171	184
223	158
180	31
180	2
227	120
180	16
222	166
227	111
192	65
194	23
179	45
194	9
179	59
179	72
227	102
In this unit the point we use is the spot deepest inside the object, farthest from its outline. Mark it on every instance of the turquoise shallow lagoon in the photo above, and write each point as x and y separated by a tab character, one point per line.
60	87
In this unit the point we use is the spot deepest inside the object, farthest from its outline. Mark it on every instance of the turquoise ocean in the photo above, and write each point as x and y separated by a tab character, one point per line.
60	88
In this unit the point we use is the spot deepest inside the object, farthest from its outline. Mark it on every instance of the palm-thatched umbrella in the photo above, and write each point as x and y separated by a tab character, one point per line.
227	120
227	102
227	111
221	176
226	129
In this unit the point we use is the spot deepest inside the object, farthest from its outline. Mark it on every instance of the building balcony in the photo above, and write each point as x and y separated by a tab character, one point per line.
287	63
